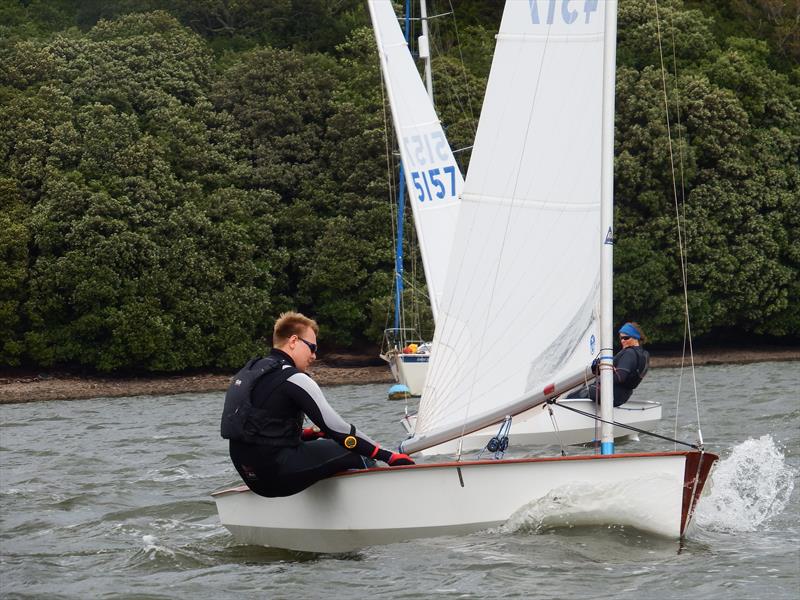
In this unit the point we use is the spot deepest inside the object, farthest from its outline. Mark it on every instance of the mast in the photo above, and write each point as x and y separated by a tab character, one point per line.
398	253
607	230
424	48
401	204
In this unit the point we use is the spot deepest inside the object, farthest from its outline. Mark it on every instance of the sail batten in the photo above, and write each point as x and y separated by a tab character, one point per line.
551	38
532	203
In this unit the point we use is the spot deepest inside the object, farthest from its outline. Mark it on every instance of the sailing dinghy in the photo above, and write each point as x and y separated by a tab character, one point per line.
552	78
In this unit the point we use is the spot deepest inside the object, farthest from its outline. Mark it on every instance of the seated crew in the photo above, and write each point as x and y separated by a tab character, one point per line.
630	367
263	419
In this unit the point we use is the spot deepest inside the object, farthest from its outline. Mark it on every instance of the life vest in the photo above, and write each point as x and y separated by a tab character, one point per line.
642	364
242	421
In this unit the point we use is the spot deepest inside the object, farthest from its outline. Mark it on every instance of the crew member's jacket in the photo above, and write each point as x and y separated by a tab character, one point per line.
267	399
630	367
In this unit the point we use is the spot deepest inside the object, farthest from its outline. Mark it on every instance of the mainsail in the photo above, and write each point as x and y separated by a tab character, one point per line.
432	176
520	303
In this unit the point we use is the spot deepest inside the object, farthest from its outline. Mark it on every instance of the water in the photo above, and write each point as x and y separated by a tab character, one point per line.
108	498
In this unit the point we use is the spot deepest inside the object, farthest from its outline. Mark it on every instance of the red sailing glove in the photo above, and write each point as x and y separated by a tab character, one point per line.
398	459
311	433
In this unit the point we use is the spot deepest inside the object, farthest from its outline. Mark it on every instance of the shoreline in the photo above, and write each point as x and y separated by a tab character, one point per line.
58	386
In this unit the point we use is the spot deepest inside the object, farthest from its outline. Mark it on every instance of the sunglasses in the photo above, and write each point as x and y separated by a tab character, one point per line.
624	337
312	347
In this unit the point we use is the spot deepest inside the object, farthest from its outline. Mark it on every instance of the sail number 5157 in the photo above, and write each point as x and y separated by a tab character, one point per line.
424	152
433	183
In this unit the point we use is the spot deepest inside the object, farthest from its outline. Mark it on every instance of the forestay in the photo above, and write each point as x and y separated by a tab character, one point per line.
520	303
433	178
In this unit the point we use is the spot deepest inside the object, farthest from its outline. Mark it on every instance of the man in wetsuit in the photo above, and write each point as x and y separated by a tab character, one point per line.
263	419
630	367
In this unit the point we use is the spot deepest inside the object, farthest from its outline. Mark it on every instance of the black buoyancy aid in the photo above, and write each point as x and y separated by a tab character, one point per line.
242	421
642	364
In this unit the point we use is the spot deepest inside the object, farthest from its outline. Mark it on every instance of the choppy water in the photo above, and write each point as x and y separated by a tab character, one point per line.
108	498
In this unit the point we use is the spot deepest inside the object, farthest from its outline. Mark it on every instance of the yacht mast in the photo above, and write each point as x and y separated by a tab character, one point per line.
424	48
401	204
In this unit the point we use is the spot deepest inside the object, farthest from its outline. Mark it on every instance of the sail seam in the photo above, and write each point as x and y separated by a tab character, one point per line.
572	37
530	203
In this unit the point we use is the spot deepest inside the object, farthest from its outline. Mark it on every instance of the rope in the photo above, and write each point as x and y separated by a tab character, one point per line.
389	178
431	17
493	284
624	426
555	427
681	248
463	70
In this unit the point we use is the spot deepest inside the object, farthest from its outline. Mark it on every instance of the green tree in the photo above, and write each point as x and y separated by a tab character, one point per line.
146	250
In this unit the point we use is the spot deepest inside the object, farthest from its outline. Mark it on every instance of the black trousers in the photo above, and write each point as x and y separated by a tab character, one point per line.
276	472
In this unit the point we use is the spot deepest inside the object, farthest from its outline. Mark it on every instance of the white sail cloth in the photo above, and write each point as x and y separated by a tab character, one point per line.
433	178
520	303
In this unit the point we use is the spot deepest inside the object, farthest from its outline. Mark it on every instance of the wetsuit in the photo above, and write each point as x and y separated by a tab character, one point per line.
273	460
630	367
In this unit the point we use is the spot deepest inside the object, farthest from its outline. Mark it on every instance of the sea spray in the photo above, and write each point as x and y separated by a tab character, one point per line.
748	488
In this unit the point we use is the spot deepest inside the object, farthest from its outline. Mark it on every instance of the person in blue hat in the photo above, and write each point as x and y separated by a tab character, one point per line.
630	367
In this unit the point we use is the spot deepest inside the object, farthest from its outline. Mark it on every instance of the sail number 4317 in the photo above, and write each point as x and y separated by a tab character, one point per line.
568	13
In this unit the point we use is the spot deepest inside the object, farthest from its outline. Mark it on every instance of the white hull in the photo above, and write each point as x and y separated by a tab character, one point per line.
535	427
409	369
387	505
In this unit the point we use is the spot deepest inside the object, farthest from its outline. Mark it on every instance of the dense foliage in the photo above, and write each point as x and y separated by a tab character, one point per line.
175	173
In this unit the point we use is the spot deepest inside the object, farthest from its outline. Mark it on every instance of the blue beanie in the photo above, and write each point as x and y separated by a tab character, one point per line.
630	330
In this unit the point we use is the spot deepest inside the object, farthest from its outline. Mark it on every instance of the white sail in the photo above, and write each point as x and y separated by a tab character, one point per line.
520	304
433	178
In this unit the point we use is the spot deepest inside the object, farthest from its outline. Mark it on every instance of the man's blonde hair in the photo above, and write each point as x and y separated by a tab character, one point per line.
289	324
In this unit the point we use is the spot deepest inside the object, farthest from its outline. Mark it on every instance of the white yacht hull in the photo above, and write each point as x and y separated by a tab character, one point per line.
409	370
387	505
535	427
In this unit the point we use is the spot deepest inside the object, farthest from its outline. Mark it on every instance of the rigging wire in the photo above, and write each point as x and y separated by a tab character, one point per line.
553	420
493	284
413	242
416	293
463	70
686	329
698	446
389	179
437	367
453	98
681	247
